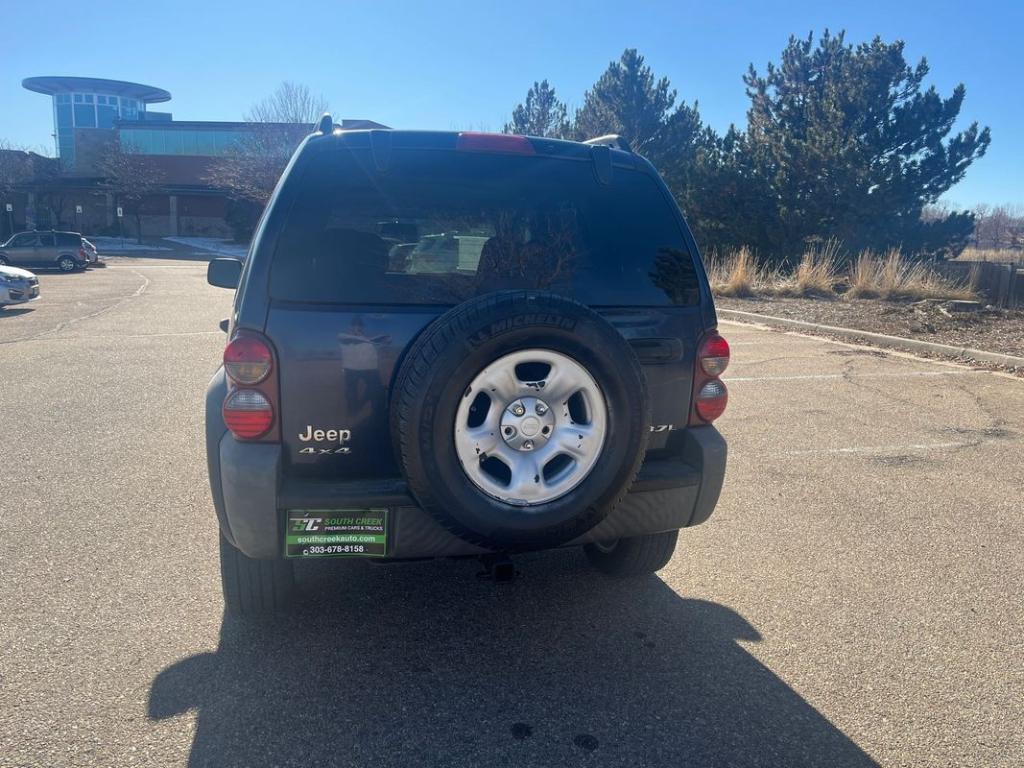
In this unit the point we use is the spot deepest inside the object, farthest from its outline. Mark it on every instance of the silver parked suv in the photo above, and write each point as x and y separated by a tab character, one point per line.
58	250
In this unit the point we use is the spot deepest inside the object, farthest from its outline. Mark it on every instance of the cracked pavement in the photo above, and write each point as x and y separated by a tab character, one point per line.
855	599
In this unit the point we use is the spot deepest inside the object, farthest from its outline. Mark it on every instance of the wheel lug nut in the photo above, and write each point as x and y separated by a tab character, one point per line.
541	409
509	431
518	409
528	445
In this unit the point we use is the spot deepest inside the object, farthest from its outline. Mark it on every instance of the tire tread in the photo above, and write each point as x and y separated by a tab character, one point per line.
254	586
636	556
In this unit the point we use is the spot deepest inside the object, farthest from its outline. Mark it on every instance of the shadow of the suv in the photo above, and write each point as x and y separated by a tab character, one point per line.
416	665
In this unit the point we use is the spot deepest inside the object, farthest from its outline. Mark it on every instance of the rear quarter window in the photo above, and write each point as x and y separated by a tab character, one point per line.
439	227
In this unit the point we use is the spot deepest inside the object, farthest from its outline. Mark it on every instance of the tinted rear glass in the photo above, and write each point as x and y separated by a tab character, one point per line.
442	226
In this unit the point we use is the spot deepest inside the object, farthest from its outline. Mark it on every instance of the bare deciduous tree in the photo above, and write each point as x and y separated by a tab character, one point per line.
290	103
999	227
251	167
130	177
15	166
249	170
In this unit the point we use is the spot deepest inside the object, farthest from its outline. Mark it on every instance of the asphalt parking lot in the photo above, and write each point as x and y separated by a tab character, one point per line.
856	598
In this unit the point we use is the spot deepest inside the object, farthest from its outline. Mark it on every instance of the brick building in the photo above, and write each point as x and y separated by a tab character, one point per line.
69	191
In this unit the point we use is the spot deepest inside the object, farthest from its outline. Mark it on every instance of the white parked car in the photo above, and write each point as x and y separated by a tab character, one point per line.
95	260
17	286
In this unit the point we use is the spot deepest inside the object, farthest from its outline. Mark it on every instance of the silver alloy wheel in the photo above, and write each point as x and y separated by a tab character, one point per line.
545	432
66	264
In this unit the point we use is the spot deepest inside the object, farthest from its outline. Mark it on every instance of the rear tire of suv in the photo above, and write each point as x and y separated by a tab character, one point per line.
633	557
67	264
4	262
440	377
254	587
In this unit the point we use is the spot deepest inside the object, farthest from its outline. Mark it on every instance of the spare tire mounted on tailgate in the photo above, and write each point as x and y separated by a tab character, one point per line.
520	419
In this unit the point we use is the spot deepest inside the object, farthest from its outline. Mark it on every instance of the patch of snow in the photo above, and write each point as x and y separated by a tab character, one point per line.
116	245
220	246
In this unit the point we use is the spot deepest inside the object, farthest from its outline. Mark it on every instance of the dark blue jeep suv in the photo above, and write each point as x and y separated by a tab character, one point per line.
463	344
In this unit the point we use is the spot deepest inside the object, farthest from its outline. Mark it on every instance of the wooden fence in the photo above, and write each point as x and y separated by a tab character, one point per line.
1001	284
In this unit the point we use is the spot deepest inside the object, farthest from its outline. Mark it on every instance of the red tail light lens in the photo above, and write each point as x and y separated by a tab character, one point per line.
711	400
470	141
251	406
248	414
247	360
709	393
714	355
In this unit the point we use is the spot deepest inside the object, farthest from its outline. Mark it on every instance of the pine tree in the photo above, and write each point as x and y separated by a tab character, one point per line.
853	147
541	115
630	101
627	100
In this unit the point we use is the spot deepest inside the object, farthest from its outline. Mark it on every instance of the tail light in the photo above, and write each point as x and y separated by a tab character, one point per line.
710	394
247	360
711	400
714	355
250	409
248	414
82	253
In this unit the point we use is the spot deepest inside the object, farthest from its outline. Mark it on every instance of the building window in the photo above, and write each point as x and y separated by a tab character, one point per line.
64	119
67	149
156	141
105	116
85	116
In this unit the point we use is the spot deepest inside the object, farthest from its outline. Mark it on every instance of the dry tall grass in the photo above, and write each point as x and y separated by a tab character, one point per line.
816	272
862	276
889	277
893	277
738	274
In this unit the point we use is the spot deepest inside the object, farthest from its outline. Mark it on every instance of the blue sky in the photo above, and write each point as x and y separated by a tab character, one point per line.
465	65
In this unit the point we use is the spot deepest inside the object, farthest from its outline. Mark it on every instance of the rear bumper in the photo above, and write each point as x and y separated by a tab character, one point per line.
251	496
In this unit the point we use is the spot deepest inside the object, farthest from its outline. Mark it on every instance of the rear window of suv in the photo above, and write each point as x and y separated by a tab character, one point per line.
439	227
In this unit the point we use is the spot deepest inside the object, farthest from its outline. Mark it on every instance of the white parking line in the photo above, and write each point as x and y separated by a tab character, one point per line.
884	448
162	335
900	375
94	337
200	265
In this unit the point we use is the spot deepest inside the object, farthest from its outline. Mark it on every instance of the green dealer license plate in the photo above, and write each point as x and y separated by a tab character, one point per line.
334	532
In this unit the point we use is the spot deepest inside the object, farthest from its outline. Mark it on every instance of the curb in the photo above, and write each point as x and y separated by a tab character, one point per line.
878	339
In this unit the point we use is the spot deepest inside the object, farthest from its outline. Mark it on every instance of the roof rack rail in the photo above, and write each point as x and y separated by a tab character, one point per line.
610	140
325	124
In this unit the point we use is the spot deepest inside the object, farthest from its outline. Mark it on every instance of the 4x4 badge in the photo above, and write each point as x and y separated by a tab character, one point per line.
329	451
